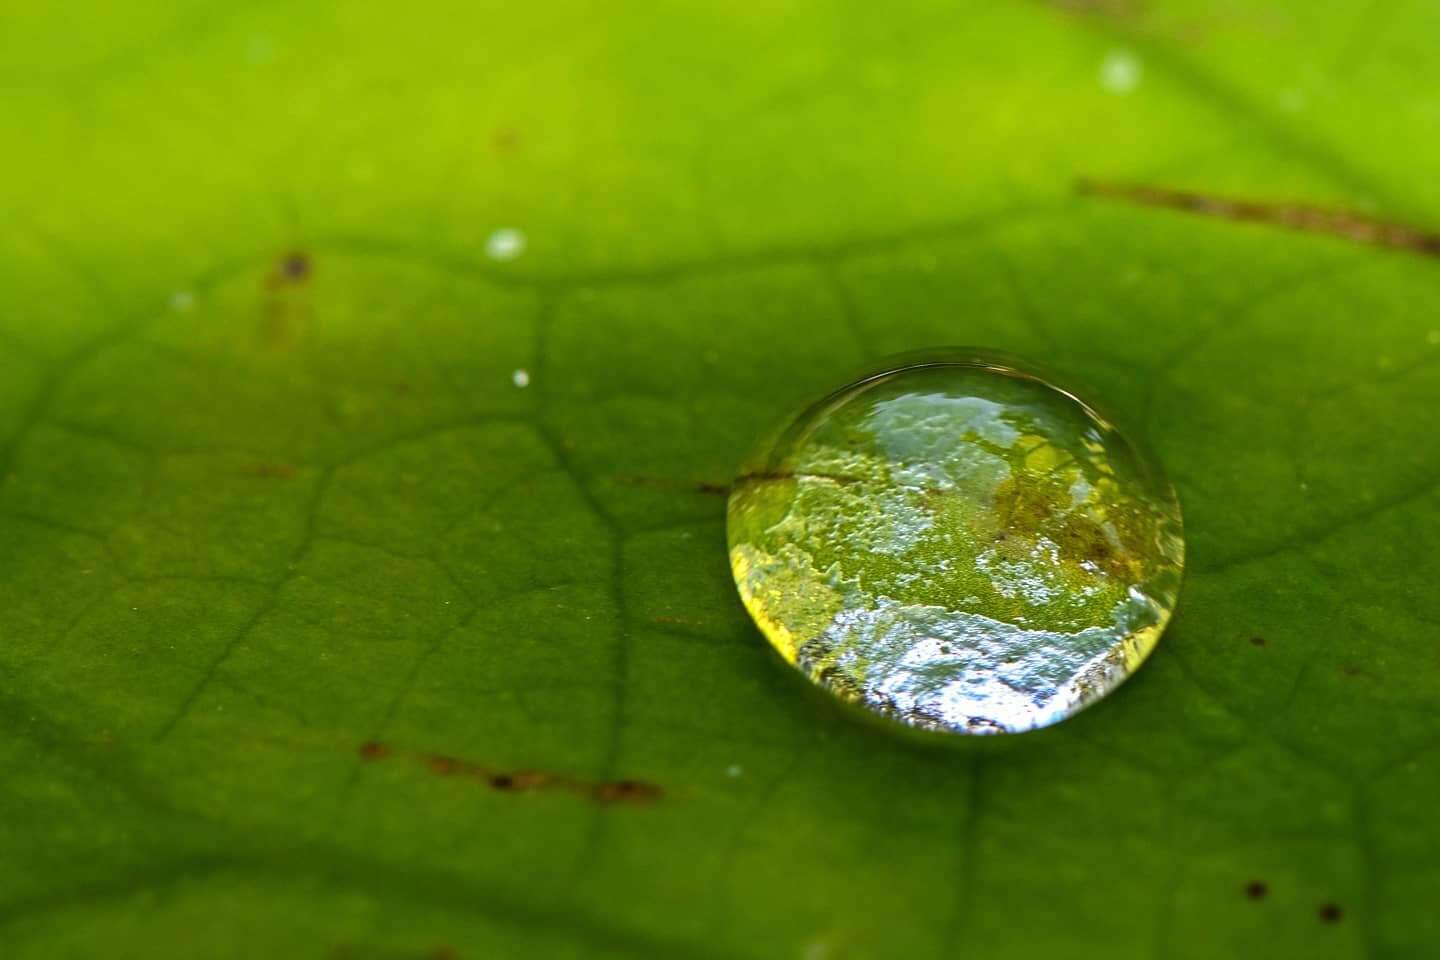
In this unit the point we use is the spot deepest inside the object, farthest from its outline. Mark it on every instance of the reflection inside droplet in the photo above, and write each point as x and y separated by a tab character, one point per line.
958	544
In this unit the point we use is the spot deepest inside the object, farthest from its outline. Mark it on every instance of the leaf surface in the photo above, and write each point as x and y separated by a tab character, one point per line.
363	589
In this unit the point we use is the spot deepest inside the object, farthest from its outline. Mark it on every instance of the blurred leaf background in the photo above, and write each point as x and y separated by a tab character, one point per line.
367	375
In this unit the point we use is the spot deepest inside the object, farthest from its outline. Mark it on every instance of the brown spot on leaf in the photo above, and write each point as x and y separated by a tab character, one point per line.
374	750
1256	890
1302	217
285	316
295	266
1330	913
1350	670
269	471
506	141
1257	641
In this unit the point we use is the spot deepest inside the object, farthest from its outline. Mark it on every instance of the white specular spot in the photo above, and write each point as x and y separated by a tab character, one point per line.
507	243
1120	72
521	378
734	770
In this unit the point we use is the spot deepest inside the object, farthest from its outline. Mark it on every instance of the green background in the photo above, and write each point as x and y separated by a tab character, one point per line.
270	492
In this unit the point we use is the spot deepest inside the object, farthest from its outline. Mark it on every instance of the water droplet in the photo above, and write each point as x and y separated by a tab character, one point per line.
521	378
1120	71
506	243
957	543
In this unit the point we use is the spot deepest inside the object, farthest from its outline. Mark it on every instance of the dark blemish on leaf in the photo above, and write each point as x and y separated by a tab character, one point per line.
516	781
270	471
1301	217
295	266
292	269
444	952
721	489
403	389
1330	913
1257	641
1256	890
1350	670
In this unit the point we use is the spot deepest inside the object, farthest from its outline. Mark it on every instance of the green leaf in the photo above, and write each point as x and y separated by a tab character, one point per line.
363	589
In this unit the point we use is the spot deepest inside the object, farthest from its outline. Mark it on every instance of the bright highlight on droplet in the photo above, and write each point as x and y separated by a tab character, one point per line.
506	243
959	544
521	378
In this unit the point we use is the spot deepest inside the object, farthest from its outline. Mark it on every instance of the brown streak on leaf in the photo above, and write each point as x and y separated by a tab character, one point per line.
270	471
1257	641
1330	913
516	781
1300	217
626	791
1256	890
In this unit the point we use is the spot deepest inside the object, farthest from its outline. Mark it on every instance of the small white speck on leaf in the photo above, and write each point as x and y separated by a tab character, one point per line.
181	301
1120	72
507	243
816	950
521	378
734	770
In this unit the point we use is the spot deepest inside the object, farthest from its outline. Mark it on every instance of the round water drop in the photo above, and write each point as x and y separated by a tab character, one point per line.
957	543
